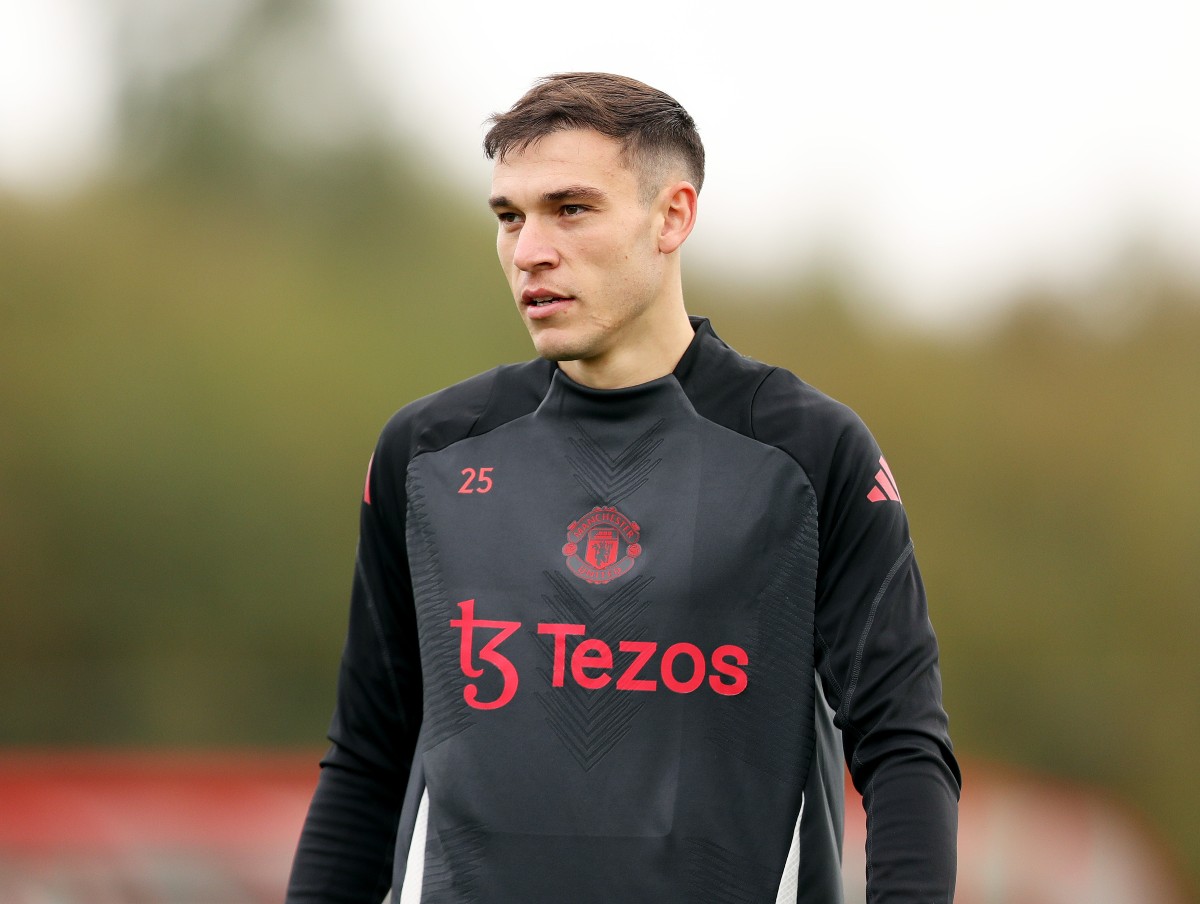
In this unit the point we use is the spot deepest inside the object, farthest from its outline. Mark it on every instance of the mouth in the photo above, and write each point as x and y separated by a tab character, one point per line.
541	303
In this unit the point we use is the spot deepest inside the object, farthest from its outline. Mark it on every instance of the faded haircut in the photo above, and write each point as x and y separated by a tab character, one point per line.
653	129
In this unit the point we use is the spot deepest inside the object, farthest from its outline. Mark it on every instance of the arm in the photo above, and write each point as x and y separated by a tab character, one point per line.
875	648
347	844
878	658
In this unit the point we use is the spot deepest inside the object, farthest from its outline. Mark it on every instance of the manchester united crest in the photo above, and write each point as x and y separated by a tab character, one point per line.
602	545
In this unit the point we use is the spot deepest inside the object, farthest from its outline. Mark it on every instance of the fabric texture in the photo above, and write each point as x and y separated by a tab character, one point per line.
607	644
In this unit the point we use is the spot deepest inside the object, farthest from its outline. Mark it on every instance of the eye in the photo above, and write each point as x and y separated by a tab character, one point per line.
572	210
508	218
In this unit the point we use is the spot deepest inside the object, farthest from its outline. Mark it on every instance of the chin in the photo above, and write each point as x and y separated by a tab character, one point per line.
560	348
557	353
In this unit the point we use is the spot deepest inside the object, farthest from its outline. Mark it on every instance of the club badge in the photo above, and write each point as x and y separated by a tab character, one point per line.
595	542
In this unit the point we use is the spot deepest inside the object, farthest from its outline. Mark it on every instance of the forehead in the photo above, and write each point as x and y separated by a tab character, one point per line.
570	157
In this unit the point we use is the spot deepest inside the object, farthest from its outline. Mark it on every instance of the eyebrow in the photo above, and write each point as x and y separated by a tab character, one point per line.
568	193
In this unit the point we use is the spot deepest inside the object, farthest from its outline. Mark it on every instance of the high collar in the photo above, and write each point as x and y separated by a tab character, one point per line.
567	398
703	342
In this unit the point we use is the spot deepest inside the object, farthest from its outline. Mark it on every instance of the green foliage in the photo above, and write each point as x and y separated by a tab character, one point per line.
191	392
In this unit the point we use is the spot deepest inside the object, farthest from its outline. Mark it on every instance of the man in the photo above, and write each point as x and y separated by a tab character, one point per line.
610	604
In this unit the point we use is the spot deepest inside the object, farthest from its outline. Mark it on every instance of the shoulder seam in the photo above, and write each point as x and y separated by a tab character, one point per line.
786	451
487	403
754	398
470	431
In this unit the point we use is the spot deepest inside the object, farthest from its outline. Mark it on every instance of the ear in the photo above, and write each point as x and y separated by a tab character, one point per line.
679	216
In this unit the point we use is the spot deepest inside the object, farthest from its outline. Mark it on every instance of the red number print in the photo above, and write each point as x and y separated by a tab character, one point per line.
477	481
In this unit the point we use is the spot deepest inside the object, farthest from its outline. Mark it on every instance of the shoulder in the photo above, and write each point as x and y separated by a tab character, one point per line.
787	411
472	406
826	437
842	459
770	404
761	400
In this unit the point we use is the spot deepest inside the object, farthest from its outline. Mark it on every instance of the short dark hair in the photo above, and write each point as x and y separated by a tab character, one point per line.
652	126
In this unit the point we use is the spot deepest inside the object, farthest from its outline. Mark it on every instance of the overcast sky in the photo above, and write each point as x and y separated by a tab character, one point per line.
952	150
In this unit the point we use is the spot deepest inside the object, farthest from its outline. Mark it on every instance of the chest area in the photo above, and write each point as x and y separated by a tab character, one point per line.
669	523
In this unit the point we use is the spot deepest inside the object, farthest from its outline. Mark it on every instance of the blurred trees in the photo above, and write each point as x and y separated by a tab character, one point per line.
196	356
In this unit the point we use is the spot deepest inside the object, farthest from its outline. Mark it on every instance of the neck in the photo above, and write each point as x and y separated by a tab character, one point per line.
656	343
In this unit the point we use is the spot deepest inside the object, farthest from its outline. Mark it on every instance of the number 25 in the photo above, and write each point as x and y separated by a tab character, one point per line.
477	481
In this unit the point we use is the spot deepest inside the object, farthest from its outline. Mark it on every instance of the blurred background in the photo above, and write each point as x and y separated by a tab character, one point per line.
236	235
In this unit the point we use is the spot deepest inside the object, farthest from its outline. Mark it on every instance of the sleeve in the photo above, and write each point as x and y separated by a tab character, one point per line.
347	844
878	658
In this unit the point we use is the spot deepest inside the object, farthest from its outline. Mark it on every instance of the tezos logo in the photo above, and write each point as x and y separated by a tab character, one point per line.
592	663
601	535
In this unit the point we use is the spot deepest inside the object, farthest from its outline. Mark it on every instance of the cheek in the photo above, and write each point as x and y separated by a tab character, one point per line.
504	252
638	263
625	256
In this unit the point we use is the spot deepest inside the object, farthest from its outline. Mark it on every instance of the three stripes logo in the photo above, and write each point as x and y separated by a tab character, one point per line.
885	485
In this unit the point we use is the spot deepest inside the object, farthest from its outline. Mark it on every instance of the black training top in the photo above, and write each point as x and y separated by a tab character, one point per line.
599	641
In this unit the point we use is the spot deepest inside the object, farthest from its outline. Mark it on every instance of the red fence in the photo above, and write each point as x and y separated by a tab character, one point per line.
220	828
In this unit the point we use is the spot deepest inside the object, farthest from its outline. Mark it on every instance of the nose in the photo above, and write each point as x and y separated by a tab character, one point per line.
535	250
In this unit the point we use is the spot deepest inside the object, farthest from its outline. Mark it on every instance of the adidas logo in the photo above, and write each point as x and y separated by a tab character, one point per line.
885	485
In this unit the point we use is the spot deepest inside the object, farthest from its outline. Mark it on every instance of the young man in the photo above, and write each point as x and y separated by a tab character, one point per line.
610	604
